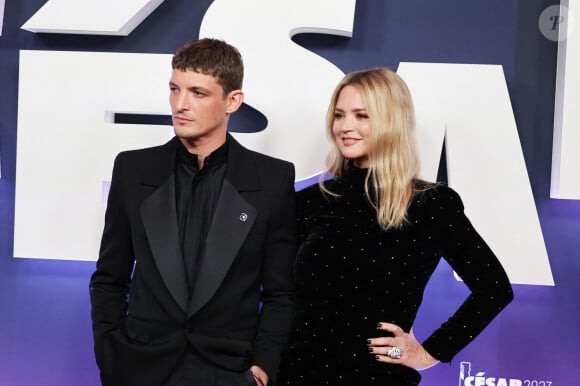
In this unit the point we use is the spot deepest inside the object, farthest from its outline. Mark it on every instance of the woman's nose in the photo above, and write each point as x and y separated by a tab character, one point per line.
346	125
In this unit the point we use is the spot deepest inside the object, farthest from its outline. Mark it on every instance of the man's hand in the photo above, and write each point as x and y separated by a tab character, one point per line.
259	375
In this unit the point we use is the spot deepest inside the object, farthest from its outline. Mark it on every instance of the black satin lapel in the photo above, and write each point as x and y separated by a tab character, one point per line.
233	219
160	221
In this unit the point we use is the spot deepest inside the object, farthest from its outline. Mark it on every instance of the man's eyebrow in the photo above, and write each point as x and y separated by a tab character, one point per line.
199	88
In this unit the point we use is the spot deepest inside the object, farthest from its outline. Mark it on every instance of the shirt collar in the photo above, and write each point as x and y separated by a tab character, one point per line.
217	157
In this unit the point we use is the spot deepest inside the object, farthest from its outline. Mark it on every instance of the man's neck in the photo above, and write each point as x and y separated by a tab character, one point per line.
202	148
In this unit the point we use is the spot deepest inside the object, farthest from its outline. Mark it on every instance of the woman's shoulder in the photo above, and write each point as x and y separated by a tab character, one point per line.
435	195
314	191
310	195
313	198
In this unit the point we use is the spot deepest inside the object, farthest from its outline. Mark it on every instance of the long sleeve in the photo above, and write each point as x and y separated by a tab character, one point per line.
278	292
109	284
467	253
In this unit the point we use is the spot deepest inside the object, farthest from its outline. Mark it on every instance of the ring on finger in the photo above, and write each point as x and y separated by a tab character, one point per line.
395	352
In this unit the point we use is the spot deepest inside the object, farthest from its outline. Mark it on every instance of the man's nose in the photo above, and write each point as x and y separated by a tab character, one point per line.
181	102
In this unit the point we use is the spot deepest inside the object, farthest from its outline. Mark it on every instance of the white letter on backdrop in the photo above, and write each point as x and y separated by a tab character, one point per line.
67	142
565	154
58	202
1	15
103	17
290	85
469	105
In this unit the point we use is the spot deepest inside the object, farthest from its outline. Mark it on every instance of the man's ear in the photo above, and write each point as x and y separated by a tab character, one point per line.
234	100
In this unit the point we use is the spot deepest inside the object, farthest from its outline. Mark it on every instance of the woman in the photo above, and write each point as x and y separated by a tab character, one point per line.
371	237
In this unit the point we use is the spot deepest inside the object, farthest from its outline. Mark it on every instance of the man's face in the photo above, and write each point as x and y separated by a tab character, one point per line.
199	110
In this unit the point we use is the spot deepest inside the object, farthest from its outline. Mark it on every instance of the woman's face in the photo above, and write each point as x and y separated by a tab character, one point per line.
351	126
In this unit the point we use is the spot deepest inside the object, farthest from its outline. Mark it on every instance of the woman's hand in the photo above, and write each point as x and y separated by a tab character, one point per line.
412	354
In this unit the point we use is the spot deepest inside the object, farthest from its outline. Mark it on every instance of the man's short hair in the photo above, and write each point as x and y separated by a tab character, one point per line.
212	57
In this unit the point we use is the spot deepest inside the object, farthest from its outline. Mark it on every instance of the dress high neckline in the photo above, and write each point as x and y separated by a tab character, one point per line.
355	176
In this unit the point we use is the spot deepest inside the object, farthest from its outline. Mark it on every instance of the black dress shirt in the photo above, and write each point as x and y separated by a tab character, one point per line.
197	192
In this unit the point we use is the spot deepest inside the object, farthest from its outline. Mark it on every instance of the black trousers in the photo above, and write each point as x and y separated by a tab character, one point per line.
194	370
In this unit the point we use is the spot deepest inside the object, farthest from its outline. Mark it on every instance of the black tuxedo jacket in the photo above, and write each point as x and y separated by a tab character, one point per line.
143	313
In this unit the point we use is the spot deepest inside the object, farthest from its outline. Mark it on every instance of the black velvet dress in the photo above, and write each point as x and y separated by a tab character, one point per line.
353	275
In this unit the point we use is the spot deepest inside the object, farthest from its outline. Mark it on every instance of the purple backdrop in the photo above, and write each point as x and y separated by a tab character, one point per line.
45	335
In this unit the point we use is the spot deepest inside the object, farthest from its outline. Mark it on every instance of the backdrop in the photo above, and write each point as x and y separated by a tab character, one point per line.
45	333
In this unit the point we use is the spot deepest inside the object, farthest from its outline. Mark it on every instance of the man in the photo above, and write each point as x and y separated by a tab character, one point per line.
199	233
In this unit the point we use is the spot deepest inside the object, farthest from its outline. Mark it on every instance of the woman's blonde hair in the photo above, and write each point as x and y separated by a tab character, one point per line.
393	159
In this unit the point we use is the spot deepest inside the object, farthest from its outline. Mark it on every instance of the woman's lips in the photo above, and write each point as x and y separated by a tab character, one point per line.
350	141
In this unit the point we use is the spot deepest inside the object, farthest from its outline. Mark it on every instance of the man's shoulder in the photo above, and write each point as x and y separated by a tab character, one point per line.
258	160
268	159
144	153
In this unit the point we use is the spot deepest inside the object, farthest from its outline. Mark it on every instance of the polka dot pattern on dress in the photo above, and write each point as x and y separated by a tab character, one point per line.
352	274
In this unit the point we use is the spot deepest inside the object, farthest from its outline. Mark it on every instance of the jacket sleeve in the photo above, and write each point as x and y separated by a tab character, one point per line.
471	258
278	292
109	284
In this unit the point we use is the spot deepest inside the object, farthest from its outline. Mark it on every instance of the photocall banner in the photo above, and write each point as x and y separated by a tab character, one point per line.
494	84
